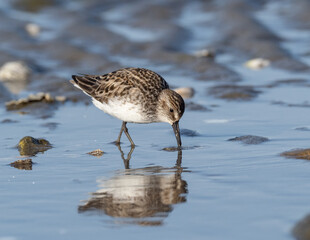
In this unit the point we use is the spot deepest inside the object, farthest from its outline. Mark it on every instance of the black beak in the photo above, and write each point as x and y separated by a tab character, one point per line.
176	130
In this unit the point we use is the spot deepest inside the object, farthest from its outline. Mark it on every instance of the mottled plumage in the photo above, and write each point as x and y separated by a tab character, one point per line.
133	95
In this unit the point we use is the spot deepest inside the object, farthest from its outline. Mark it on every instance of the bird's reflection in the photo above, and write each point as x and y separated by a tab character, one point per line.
143	196
126	160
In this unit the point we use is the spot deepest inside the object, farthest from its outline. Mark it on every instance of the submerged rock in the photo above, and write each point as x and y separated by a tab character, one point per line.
176	149
29	146
284	82
7	120
301	231
250	139
50	125
96	153
282	103
25	164
234	92
297	153
189	133
171	149
302	129
192	106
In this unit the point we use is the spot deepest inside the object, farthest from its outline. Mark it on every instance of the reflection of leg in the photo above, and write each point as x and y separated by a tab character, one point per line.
179	159
178	164
118	141
126	161
127	134
129	154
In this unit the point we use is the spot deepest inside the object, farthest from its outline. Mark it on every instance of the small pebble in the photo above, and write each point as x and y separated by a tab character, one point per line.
257	63
60	98
96	153
33	29
176	149
205	53
14	71
171	149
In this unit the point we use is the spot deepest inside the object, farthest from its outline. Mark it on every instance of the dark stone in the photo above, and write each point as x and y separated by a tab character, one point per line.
302	129
50	125
29	146
293	82
298	154
234	92
250	139
189	133
192	106
7	120
285	104
301	231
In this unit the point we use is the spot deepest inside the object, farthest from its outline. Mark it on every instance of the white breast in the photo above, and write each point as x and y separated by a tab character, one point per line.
123	110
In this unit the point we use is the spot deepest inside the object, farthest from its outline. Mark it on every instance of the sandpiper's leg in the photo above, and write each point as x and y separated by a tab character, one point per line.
118	141
127	134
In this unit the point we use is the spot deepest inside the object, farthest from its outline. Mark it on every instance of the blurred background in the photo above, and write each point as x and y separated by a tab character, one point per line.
199	40
242	67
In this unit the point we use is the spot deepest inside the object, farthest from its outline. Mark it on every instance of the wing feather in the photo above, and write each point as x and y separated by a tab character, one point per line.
122	82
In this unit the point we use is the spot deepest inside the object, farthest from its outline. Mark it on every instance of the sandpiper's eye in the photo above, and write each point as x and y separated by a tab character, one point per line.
171	110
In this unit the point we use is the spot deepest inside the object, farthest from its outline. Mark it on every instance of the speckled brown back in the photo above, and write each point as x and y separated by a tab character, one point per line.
137	83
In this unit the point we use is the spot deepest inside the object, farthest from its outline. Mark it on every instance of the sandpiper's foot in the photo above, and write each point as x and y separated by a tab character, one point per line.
117	143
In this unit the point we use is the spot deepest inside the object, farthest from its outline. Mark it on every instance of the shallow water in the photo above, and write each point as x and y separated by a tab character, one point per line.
214	188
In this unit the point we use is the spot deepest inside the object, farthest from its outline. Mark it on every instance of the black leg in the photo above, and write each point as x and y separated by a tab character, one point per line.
127	134
118	141
125	130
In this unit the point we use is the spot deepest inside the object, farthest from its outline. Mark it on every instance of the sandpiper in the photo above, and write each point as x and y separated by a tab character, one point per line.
135	95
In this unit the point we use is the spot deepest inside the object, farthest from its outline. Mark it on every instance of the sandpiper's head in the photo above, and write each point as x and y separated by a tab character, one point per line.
170	109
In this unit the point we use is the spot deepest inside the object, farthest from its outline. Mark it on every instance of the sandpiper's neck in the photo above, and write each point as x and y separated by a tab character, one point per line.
162	104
